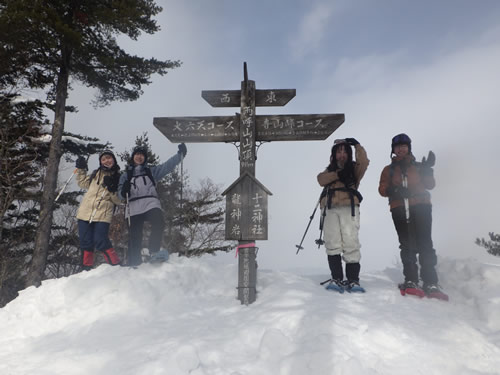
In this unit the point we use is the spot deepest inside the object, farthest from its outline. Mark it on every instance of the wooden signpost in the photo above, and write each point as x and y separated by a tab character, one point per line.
246	198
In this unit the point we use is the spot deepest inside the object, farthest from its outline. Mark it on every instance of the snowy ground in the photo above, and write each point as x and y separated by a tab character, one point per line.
183	318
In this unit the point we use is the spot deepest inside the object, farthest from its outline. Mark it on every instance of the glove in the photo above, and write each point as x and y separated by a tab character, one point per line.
403	192
126	188
430	161
426	171
346	175
81	163
110	184
182	150
397	192
343	174
352	141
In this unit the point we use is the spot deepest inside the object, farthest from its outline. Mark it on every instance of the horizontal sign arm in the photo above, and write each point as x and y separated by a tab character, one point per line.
268	127
199	129
297	127
263	98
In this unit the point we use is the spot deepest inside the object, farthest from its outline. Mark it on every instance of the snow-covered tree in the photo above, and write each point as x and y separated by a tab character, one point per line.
24	149
56	42
492	246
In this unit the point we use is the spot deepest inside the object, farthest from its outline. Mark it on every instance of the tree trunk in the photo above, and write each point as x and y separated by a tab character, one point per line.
40	252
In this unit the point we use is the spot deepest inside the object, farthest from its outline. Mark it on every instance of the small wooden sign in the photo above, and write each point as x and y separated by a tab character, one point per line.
246	209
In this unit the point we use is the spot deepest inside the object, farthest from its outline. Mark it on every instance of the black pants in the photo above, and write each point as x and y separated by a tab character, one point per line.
415	238
155	217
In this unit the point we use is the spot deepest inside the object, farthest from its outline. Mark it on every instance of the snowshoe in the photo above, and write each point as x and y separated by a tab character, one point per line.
433	291
159	257
336	286
411	288
354	287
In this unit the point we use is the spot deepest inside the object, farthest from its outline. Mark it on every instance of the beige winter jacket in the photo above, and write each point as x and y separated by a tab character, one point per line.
341	198
92	198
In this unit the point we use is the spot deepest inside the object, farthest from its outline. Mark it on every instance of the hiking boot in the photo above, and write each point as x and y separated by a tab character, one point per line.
87	260
353	286
412	288
111	256
336	285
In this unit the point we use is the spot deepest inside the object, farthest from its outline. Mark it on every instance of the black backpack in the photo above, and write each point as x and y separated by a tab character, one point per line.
147	173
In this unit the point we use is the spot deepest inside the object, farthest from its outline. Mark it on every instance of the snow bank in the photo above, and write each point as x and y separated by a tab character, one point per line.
183	318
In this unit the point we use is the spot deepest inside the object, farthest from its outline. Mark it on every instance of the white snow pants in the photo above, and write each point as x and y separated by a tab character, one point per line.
341	233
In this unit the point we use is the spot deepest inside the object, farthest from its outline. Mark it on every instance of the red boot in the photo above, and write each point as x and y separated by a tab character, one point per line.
87	260
111	256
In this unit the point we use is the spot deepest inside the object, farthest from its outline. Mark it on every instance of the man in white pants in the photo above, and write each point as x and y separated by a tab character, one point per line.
341	205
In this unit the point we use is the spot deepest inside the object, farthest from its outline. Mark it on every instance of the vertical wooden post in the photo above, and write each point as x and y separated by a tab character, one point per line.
247	128
247	274
247	266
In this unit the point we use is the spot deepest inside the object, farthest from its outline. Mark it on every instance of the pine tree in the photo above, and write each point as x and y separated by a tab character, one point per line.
23	153
492	246
58	41
21	163
203	220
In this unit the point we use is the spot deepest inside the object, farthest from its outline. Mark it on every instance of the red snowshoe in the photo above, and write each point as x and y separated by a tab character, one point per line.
433	291
411	288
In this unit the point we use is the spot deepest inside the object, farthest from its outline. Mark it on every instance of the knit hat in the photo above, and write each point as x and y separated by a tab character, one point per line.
139	150
107	152
400	139
341	143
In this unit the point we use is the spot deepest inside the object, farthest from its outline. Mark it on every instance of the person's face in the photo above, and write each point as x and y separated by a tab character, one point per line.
138	158
107	161
401	149
341	156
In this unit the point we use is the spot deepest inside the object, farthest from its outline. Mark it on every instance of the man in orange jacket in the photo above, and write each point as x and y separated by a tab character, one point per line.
406	183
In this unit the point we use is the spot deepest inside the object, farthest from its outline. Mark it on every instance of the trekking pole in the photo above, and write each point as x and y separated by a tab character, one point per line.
95	209
182	178
320	241
411	239
406	201
180	203
299	247
66	184
127	210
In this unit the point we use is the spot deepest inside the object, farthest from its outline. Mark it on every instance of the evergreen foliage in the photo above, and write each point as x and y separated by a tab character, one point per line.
23	154
77	38
48	44
492	246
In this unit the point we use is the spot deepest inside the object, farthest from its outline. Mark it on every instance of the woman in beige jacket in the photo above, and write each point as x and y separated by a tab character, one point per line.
341	213
96	209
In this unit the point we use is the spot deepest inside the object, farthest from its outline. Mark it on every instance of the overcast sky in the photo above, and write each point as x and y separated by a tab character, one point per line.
426	68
